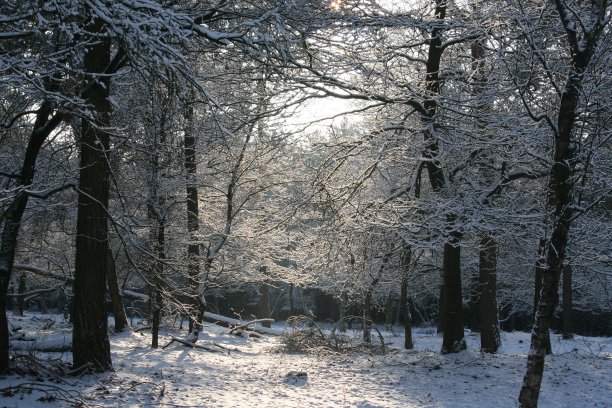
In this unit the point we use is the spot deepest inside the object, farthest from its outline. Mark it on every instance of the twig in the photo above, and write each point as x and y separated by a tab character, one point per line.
53	392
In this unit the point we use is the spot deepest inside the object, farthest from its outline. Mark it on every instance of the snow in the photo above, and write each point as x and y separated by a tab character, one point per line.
255	373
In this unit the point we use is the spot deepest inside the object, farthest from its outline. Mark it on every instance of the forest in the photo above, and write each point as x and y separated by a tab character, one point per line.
322	171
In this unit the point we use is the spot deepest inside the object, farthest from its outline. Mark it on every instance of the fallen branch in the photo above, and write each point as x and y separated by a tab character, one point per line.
245	333
143	328
188	344
245	326
236	323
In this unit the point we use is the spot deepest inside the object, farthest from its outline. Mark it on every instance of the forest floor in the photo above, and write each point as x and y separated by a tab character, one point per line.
256	373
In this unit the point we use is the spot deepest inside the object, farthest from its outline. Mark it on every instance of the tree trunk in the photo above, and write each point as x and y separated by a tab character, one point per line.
157	219
342	324
390	307
90	345
43	126
291	300
560	190
451	323
405	305
568	330
367	314
405	299
193	211
489	333
483	302
367	302
539	273
441	306
264	301
197	326
453	340
474	304
157	280
119	314
21	289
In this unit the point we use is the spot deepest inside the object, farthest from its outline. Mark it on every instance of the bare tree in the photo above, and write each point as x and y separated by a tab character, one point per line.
583	29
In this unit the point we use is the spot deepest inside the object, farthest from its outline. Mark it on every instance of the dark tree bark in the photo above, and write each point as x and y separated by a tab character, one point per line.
197	326
405	299
441	307
90	344
453	340
451	304
560	189
264	304
193	211
390	308
343	309
489	333
156	283
432	86
214	247
568	327
539	273
46	122
156	206
291	300
119	314
367	301
474	303
367	313
21	289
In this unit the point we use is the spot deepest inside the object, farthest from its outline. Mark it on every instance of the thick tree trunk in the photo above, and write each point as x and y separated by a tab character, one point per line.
489	333
119	314
453	340
90	344
568	327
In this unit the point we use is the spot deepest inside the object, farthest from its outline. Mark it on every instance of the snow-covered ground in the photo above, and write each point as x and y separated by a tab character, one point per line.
255	374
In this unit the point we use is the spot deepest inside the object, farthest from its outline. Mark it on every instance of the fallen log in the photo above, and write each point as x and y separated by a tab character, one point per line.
25	345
